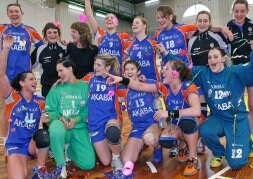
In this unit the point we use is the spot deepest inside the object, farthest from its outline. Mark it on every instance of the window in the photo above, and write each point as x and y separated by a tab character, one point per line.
190	13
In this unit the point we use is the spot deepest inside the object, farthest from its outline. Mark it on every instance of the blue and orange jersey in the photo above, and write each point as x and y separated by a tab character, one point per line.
144	53
102	102
24	118
113	44
177	101
175	40
139	105
19	55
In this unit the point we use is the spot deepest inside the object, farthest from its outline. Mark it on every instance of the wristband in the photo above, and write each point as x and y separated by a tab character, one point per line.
125	81
174	114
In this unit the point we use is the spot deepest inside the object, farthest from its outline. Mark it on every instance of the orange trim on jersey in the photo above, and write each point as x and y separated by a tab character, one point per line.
122	36
88	77
187	28
191	89
162	89
10	107
157	33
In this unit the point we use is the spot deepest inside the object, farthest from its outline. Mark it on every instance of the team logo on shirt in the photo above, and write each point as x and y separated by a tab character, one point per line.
29	119
250	29
82	103
211	45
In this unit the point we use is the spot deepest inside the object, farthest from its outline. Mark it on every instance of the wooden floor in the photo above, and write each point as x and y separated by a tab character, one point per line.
168	169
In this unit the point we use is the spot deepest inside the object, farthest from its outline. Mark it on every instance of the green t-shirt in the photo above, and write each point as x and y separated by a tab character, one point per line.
70	101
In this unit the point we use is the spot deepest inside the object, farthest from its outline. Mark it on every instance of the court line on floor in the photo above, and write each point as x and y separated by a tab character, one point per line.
220	173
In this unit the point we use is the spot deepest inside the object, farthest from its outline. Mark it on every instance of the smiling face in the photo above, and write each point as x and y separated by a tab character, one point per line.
52	35
64	72
167	74
216	60
240	12
15	15
131	71
29	83
164	21
138	27
203	22
111	22
75	36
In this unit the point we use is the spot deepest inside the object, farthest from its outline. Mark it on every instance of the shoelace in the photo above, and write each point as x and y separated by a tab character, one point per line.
190	162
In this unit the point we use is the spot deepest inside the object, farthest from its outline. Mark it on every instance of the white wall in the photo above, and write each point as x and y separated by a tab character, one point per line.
220	10
34	15
37	17
67	16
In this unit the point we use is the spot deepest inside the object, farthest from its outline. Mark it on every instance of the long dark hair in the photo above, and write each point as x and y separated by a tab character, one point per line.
111	61
20	77
66	62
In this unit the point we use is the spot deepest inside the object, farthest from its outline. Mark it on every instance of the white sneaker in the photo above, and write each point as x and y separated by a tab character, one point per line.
67	159
173	152
63	172
117	164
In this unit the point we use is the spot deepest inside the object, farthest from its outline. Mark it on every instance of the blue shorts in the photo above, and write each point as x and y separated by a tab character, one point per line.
19	150
137	132
97	134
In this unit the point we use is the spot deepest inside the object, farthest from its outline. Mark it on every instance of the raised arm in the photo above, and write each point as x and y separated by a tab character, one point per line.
133	84
89	14
5	86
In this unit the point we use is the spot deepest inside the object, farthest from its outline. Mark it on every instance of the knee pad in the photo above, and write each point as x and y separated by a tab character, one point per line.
41	138
113	134
168	142
188	125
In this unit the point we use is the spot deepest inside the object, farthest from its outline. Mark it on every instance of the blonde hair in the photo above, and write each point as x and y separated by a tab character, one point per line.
144	21
110	61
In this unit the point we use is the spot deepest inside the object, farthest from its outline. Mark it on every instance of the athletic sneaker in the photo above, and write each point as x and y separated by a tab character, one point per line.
201	146
173	152
158	155
216	161
182	155
43	169
251	152
192	167
117	164
39	172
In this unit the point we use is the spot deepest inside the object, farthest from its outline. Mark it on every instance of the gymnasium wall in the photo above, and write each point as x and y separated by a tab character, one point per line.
37	16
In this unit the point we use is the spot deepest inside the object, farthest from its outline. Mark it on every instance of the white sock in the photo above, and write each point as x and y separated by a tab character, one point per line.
115	156
63	172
